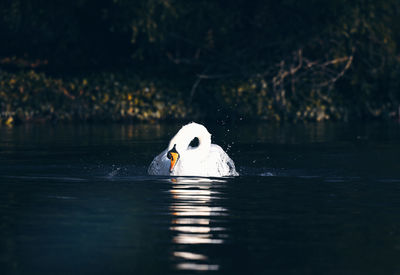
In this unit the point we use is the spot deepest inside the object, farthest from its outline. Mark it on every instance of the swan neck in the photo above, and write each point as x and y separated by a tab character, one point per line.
185	135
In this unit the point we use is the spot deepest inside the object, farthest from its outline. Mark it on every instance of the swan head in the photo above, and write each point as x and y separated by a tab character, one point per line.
173	155
180	145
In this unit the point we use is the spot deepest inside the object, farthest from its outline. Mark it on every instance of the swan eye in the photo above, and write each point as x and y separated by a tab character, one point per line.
194	143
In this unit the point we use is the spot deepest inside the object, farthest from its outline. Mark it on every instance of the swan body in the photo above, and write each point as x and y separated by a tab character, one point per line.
180	159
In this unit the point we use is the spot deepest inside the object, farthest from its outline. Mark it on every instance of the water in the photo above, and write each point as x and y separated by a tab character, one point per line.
311	199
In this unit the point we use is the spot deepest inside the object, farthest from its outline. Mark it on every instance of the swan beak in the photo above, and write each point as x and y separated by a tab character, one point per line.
174	159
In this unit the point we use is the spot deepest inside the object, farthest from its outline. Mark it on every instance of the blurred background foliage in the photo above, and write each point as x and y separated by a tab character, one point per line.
120	60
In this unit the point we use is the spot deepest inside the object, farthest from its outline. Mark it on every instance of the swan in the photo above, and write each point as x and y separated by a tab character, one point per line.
181	159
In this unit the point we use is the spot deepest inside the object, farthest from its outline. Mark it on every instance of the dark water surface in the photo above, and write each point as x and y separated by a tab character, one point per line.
311	199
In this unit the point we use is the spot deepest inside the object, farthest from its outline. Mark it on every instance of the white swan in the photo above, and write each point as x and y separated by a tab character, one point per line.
180	159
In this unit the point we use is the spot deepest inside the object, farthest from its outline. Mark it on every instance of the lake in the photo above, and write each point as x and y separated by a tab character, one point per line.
310	199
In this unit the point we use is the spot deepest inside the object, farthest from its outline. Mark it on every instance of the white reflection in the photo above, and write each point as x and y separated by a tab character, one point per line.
196	229
192	210
189	255
196	239
191	221
198	267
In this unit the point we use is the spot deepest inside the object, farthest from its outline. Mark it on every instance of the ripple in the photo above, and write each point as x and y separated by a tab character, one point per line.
197	267
53	178
189	255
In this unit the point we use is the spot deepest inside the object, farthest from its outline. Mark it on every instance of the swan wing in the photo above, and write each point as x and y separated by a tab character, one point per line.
221	164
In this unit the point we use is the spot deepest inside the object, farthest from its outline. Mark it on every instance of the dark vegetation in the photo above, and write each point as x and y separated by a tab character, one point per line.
120	60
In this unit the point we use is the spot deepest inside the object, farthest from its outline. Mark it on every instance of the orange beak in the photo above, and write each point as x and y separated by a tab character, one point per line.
174	159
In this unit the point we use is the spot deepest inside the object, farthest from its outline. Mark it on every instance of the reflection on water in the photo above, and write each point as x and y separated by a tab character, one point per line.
194	209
